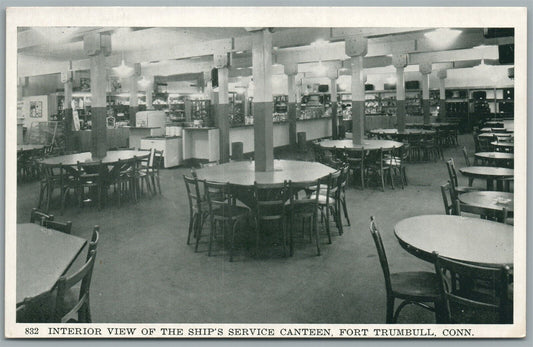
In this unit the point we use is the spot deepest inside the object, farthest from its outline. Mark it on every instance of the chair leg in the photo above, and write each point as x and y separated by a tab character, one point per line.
232	246
327	224
315	227
158	184
199	235
191	227
400	307
345	209
390	310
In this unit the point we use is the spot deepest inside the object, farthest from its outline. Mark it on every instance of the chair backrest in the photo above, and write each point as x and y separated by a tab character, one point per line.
465	154
193	193
83	275
448	199
484	212
381	253
96	169
332	190
476	143
343	178
209	164
270	200
307	204
157	160
64	227
38	216
452	172
466	300
93	244
219	195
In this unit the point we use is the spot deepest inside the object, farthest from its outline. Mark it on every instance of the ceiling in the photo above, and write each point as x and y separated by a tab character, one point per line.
173	51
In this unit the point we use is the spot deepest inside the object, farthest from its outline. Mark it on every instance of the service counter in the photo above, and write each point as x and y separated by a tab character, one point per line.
201	143
314	128
136	134
116	138
385	122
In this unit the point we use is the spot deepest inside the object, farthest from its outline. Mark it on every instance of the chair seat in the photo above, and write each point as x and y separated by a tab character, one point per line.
230	211
466	189
322	199
392	162
415	285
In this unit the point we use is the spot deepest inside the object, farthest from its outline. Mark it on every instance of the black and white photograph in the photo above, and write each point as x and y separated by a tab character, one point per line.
265	172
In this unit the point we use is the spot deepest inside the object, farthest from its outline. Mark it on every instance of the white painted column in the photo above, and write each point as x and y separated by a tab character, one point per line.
263	102
356	48
442	74
291	70
400	61
221	63
425	70
134	93
97	46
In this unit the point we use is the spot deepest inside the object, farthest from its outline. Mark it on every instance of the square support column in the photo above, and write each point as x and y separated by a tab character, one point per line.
400	61
442	74
221	108
66	78
97	46
263	102
291	70
356	48
134	93
425	70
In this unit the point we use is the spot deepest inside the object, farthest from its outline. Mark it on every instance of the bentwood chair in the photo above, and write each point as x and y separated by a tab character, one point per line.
356	163
198	209
465	301
448	199
67	309
465	154
395	162
499	215
328	202
57	176
91	180
223	212
452	173
305	209
38	216
64	227
95	238
270	200
414	287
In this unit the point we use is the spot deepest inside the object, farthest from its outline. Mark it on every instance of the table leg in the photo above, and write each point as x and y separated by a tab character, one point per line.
490	184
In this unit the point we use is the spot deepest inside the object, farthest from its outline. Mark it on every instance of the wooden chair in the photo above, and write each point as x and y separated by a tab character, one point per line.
342	182
414	287
91	176
270	200
57	176
395	162
448	199
465	301
64	227
305	208
499	215
328	202
465	154
377	168
223	211
93	244
198	209
452	173
64	311
151	170
38	216
356	163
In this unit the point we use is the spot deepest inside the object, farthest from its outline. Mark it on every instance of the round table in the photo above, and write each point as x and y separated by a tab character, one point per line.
367	144
496	158
28	147
489	200
86	157
503	136
488	173
471	240
507	146
243	173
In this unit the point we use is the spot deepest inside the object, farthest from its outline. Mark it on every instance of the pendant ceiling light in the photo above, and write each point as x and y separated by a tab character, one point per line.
123	70
144	83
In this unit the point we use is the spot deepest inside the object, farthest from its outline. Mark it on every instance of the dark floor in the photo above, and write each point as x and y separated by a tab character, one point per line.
145	272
